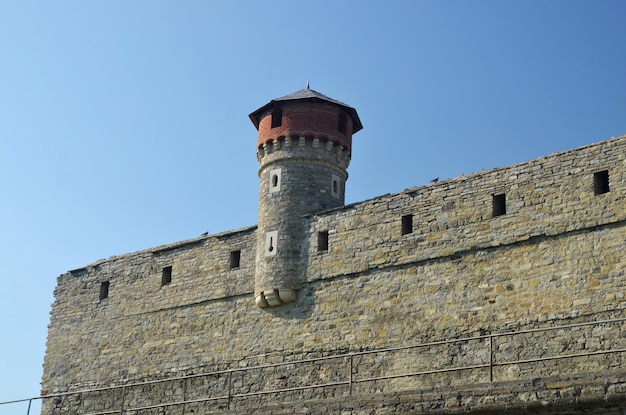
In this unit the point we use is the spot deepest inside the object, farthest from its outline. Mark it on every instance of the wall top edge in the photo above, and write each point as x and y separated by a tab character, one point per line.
166	247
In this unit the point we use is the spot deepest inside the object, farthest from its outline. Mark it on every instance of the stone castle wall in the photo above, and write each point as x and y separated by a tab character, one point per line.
555	252
552	254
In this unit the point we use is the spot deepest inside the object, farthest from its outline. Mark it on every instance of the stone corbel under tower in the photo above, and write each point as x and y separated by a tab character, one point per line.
303	147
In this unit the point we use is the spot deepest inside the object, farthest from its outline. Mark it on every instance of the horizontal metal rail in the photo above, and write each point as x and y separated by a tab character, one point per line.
351	366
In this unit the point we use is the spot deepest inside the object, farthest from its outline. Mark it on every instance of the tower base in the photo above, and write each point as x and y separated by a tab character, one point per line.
275	297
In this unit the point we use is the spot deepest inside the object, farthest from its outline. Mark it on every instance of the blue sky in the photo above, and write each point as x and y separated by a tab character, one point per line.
123	125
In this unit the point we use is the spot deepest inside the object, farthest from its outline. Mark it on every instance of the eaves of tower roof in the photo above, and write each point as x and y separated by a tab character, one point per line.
308	94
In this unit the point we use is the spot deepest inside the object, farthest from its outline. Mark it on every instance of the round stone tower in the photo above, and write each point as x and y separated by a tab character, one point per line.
304	147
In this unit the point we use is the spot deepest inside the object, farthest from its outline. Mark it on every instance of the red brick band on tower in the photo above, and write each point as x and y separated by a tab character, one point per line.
307	113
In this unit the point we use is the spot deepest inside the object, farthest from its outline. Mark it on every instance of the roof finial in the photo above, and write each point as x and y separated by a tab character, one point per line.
307	85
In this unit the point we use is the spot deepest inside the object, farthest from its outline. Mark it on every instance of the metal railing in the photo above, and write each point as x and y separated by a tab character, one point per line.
348	380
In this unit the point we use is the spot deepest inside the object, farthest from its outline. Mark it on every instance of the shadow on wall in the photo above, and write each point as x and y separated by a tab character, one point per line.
303	307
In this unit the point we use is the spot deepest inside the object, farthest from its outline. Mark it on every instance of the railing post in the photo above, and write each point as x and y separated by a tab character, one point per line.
490	358
123	397
184	396
230	387
350	375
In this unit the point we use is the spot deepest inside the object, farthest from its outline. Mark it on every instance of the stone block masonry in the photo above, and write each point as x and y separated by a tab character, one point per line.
469	261
555	254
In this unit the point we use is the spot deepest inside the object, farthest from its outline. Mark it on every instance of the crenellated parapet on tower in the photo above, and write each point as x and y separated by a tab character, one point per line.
304	147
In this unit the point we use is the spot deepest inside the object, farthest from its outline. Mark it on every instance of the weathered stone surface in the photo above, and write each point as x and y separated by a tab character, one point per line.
555	257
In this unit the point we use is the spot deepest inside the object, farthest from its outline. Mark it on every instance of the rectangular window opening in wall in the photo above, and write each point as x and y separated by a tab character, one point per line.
166	276
322	241
499	205
277	118
341	125
407	224
235	258
104	290
601	182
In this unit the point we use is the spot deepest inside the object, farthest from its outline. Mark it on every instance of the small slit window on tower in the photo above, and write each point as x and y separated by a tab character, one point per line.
407	224
104	290
335	187
235	258
499	205
271	243
601	182
322	241
341	124
275	180
166	276
277	118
